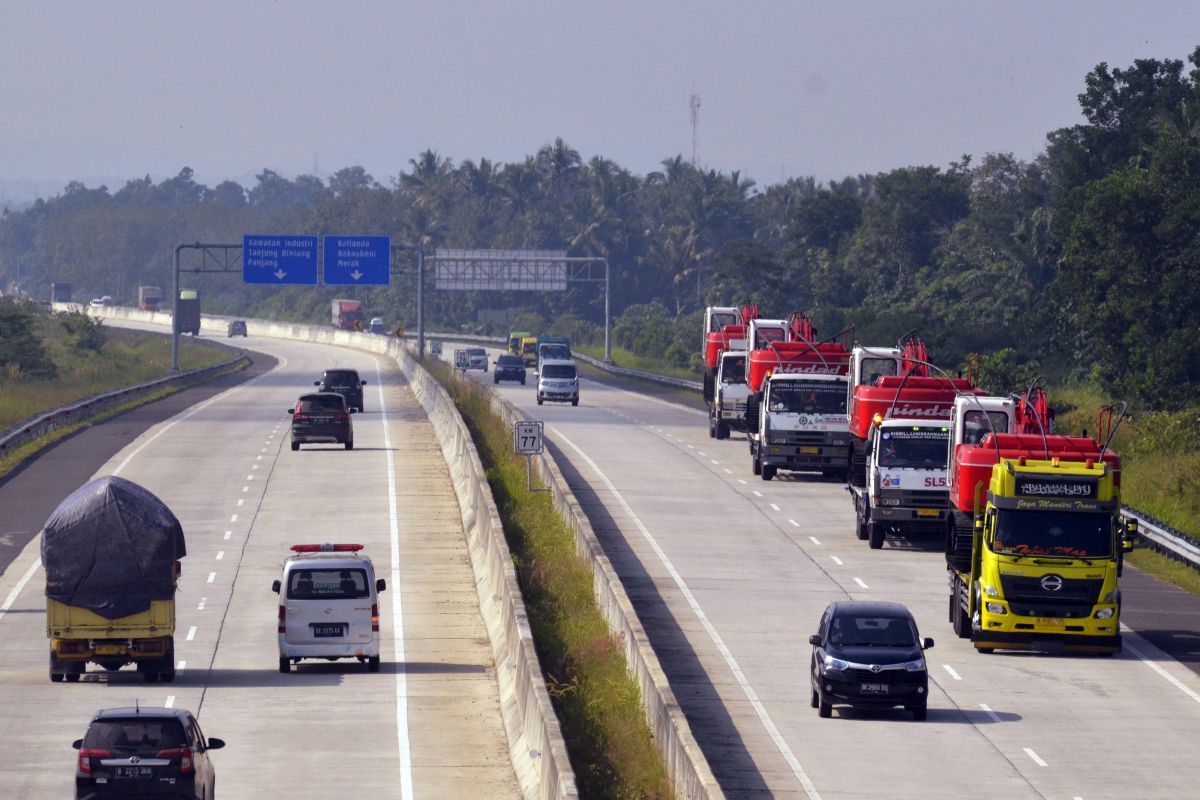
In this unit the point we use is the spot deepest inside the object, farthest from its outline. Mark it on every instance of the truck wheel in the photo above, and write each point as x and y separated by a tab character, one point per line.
722	430
496	379
860	529
373	664
168	676
575	401
295	446
73	677
712	427
285	666
959	619
875	535
768	473
539	399
56	677
756	466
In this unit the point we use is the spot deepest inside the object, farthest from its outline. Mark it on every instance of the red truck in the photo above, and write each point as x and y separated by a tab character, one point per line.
724	329
346	313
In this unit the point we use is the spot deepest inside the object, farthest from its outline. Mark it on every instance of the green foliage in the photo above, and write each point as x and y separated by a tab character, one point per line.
83	333
1002	373
22	352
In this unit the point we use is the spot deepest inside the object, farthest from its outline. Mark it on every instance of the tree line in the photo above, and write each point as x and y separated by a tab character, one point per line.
1077	264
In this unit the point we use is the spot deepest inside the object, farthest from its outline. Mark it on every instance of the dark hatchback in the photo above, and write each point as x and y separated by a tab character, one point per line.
237	327
346	383
509	368
322	417
868	655
145	752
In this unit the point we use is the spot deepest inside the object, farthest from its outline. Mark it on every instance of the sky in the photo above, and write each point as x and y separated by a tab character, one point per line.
107	91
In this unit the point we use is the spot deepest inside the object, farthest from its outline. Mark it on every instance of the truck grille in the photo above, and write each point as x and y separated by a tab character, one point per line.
920	498
1029	596
805	437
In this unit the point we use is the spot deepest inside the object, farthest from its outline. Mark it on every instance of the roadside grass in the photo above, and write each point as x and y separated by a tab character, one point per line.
597	702
127	358
624	358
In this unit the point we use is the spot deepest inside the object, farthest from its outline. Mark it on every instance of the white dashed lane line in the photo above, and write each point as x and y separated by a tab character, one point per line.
991	714
860	582
203	602
212	576
181	666
794	523
1036	758
191	634
814	540
742	482
837	561
233	518
228	534
220	554
241	502
170	701
728	470
247	488
953	674
775	507
713	460
757	493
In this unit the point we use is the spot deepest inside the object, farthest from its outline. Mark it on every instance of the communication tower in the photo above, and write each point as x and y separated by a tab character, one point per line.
694	105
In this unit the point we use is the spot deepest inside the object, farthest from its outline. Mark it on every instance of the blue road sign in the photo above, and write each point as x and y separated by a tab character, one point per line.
279	260
358	260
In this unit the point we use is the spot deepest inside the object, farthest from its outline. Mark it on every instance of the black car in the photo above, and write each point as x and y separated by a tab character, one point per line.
237	327
346	383
509	368
322	417
868	655
145	752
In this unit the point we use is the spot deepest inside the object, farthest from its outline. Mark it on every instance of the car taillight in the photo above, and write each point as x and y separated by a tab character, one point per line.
282	618
88	753
374	617
184	754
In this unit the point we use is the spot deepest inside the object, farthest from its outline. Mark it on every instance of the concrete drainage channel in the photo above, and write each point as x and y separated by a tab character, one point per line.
536	745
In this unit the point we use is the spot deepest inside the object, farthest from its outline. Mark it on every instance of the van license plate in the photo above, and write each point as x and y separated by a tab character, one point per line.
873	688
927	512
328	631
1050	622
810	451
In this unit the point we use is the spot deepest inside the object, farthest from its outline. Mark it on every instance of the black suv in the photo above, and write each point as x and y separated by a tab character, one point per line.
129	752
322	417
509	368
867	655
236	327
346	383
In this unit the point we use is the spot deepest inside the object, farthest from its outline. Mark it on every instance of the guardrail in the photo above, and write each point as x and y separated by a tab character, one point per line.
1164	539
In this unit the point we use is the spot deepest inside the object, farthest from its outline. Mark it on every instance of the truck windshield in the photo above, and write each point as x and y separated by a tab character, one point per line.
871	369
720	319
1067	534
916	447
762	336
733	369
808	397
554	351
977	424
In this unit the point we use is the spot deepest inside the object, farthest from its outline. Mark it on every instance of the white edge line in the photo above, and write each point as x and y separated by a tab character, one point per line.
861	583
730	661
953	674
16	590
1036	758
1180	685
987	710
405	751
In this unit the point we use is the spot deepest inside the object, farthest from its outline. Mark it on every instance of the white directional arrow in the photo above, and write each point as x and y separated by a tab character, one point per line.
356	274
280	274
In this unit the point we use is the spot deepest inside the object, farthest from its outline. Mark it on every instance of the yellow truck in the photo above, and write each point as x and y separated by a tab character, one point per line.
111	552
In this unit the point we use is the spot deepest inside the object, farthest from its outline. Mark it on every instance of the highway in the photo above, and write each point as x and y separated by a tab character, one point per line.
428	725
730	574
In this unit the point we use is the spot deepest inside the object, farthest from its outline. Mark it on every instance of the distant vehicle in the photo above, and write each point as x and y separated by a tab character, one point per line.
60	292
556	347
149	298
100	302
529	351
322	417
145	751
509	368
477	358
558	381
346	313
189	312
514	341
866	654
237	327
377	326
346	383
328	605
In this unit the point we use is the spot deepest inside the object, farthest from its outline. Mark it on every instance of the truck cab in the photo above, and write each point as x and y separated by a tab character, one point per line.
799	424
760	333
906	489
728	410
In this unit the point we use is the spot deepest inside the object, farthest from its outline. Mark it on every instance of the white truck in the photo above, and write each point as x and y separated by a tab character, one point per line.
799	424
728	409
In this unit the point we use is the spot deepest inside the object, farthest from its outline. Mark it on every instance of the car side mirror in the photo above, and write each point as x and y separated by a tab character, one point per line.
275	586
380	585
291	411
353	410
215	744
362	383
927	644
815	640
316	383
77	744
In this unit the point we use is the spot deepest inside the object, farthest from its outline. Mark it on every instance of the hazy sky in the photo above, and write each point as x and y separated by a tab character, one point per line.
105	91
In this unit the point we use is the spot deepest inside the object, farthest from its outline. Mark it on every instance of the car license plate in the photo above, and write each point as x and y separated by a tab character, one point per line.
1051	622
810	451
328	631
873	688
133	772
927	512
110	649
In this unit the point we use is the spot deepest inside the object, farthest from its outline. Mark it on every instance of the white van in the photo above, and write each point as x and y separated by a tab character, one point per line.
328	605
558	380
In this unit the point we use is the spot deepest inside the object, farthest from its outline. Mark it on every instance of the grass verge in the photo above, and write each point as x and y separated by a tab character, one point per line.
597	702
684	397
624	358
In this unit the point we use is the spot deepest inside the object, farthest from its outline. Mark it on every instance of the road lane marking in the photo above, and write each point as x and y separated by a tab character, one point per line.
181	666
203	602
228	534
191	633
170	701
1036	758
775	507
713	460
860	582
837	561
212	576
16	590
741	481
247	488
691	447
701	452
757	493
220	554
987	710
241	501
814	540
233	518
726	653
794	523
250	478
406	780
727	469
953	674
1171	678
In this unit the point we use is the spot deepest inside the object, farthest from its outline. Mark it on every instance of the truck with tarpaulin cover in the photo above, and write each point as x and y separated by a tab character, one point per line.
111	552
149	298
348	315
1036	541
189	311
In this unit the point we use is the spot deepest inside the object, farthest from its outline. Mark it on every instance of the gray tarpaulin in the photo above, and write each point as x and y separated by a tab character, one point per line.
111	548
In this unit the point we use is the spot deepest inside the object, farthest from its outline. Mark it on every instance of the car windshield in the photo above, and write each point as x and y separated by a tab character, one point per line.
1067	534
559	371
341	377
509	361
144	736
872	631
313	403
807	397
917	447
733	369
338	583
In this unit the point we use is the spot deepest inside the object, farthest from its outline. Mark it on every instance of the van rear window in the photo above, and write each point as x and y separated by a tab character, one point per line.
327	584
